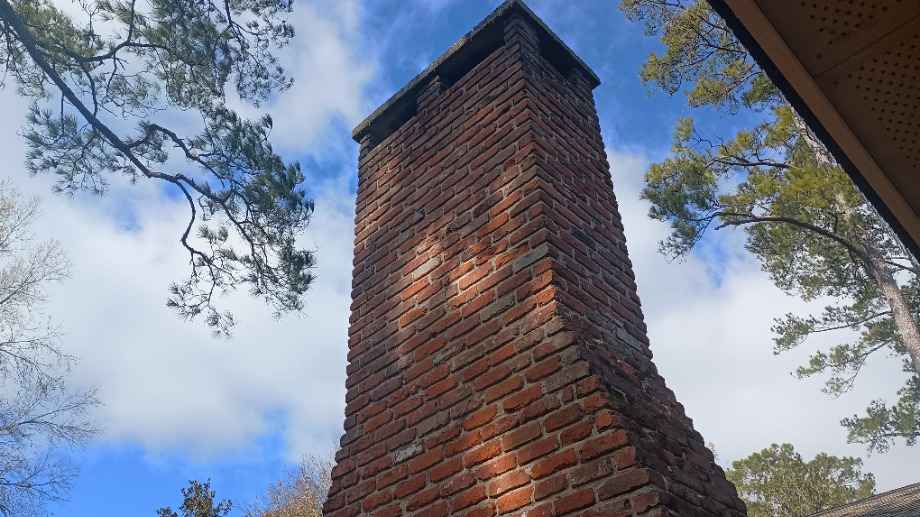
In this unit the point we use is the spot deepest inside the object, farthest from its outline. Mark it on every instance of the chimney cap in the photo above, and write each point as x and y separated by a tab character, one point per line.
488	34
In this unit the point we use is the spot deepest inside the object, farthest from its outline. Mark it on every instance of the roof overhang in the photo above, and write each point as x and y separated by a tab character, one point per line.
852	70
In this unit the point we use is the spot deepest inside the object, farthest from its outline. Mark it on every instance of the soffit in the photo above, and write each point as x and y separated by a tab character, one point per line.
854	68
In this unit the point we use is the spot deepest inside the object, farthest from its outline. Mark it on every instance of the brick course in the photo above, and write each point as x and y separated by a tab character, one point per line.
498	360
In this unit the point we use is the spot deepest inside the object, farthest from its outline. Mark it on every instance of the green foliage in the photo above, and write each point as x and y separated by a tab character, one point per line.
140	91
198	501
776	482
882	423
813	231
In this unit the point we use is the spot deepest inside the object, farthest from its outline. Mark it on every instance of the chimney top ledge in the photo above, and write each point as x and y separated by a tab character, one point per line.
489	33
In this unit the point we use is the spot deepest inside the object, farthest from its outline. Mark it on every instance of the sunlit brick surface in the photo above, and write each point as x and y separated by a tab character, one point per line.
498	359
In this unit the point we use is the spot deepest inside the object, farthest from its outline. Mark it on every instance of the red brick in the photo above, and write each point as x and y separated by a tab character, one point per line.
457	484
448	434
594	402
392	476
541	510
514	500
442	387
415	288
412	315
422	499
590	471
487	510
490	276
506	482
477	303
480	418
522	398
549	486
573	502
424	461
503	388
409	487
376	500
540	448
499	426
445	470
540	407
482	453
576	433
625	457
563	417
394	510
542	369
464	443
623	482
434	375
468	498
375	467
502	354
605	443
374	423
497	466
472	277
642	502
553	464
521	435
605	419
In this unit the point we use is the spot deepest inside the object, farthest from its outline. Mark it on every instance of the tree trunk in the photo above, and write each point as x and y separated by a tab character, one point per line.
900	311
875	264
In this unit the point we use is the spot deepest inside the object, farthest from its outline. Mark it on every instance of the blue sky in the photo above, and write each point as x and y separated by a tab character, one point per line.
179	405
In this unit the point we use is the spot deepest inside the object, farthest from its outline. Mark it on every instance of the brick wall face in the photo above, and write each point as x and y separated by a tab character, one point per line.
498	359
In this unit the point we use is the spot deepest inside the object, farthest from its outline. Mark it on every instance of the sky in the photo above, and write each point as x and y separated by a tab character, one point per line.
179	405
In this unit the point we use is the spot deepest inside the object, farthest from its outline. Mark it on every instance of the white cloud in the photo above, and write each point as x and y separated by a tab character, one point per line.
329	74
165	384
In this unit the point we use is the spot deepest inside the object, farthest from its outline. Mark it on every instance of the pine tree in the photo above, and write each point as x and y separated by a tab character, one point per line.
777	482
198	501
813	231
141	92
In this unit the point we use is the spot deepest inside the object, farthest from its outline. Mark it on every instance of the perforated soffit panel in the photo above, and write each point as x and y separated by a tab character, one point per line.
853	67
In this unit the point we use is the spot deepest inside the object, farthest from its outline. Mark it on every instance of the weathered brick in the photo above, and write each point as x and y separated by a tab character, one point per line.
409	487
498	361
625	458
573	502
445	469
422	499
549	486
503	388
606	442
467	498
522	398
486	510
553	464
464	443
479	418
623	482
515	500
457	484
497	466
482	453
538	449
375	500
425	461
520	436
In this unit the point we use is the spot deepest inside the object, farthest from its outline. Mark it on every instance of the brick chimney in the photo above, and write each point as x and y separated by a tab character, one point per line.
498	361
